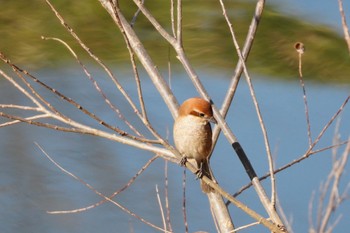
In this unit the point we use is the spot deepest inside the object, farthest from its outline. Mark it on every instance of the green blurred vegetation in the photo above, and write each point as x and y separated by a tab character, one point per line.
207	40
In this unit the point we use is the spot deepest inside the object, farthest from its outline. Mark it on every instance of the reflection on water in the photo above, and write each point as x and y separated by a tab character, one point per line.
30	185
206	37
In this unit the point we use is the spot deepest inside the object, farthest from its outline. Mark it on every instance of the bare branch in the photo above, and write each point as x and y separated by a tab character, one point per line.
161	209
166	191
301	49
16	84
167	154
29	119
36	97
14	106
311	224
143	56
94	190
239	67
308	153
83	129
157	25
99	90
334	198
92	55
287	221
179	22
57	115
246	226
127	185
268	204
161	85
184	210
344	24
132	23
228	133
161	147
330	197
172	18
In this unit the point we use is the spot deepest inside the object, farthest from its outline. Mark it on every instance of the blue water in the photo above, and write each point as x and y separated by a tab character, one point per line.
325	12
30	184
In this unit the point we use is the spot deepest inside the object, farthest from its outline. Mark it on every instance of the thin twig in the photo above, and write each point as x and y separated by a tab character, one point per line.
76	127
294	162
184	210
83	129
172	18
99	90
169	68
136	76
311	224
134	66
330	198
39	99
287	221
14	106
166	191
268	204
138	84
161	209
143	56
344	24
92	55
59	116
120	190
157	25
133	20
157	79
179	23
239	67
300	48
17	85
334	146
41	124
334	199
26	118
245	226
94	190
308	153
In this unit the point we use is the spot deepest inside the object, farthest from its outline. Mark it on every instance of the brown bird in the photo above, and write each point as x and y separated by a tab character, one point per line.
193	137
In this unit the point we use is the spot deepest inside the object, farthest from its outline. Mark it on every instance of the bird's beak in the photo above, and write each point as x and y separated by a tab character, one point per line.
212	120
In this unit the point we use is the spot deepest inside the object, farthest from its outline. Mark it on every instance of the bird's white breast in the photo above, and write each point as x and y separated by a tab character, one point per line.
192	136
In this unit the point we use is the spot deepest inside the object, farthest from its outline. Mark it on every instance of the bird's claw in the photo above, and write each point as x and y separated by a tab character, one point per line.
199	174
183	161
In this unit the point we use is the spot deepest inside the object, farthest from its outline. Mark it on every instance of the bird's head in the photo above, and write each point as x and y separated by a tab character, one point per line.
197	107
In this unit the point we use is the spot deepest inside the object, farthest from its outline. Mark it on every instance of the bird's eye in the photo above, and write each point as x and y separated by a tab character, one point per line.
201	114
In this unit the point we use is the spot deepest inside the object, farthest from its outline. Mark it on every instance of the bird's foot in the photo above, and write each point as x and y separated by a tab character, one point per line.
183	161
199	173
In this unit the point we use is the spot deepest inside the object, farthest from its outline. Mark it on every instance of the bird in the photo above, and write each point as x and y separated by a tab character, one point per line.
193	135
